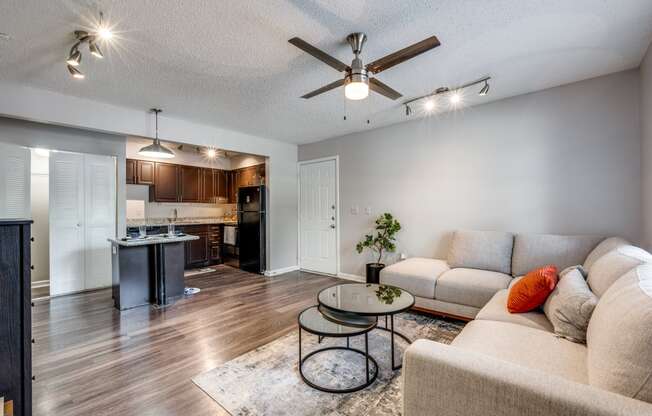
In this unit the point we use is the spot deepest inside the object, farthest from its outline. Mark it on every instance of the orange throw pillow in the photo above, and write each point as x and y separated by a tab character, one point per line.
532	290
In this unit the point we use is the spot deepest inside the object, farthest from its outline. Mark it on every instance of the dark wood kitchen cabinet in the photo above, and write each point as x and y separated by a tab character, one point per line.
145	172
208	185
190	181
221	184
131	171
197	251
166	183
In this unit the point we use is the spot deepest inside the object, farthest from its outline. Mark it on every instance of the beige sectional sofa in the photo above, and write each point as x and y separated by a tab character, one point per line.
514	364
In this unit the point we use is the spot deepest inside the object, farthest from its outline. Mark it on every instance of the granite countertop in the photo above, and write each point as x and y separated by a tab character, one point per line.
180	221
152	239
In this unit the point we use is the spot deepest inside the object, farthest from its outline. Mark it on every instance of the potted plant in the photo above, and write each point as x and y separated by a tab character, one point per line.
380	242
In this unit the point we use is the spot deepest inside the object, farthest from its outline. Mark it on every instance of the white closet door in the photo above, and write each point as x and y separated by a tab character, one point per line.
14	181
100	212
66	223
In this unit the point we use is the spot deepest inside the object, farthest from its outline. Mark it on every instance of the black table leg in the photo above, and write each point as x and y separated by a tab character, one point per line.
366	353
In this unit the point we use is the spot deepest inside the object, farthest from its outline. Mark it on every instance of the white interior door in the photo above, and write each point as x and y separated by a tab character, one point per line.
318	216
14	181
99	219
66	223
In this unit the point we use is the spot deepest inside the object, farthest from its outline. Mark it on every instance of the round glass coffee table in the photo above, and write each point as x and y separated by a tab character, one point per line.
366	300
314	322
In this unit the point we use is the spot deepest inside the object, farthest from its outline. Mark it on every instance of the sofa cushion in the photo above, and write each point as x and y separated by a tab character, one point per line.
537	250
470	287
417	275
496	310
570	306
532	290
613	265
529	347
485	250
603	248
619	337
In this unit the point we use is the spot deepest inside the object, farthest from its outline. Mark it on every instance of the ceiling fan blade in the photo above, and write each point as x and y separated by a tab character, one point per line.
325	88
384	89
319	54
403	55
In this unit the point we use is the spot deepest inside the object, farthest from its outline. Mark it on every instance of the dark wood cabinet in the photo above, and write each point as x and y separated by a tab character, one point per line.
145	172
222	184
166	186
131	171
197	250
16	313
214	243
233	187
190	183
208	185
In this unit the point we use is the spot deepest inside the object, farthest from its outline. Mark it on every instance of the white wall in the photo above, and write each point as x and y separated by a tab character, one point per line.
49	107
564	160
646	142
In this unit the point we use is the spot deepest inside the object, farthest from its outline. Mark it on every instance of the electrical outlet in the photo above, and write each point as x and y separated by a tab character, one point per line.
355	210
403	256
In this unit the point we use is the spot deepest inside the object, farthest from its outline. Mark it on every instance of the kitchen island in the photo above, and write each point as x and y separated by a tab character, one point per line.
148	270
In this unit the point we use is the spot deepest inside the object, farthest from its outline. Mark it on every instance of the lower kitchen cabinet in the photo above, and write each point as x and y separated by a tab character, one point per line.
206	250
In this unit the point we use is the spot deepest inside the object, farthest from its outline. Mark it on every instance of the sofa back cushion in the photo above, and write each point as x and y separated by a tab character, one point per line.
532	251
603	248
619	337
486	250
613	265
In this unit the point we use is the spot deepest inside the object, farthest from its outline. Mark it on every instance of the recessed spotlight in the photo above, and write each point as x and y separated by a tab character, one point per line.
211	153
76	73
455	98
429	105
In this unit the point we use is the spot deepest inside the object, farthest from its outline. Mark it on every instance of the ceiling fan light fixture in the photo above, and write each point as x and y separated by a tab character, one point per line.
356	90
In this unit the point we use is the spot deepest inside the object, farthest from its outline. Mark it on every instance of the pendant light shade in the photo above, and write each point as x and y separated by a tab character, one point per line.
156	149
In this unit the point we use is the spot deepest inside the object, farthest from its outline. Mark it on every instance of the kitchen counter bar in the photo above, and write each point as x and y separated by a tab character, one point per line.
148	271
162	222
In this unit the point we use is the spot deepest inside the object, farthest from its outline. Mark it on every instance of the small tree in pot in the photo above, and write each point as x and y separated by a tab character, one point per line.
383	241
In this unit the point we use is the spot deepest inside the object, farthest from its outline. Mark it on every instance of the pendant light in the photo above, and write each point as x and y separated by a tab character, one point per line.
156	149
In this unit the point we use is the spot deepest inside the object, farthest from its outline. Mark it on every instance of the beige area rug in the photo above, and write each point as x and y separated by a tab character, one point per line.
266	381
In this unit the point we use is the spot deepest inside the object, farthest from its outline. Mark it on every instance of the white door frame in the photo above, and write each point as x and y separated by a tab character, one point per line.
336	158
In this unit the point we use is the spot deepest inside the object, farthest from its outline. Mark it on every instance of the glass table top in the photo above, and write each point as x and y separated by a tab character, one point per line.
312	320
366	298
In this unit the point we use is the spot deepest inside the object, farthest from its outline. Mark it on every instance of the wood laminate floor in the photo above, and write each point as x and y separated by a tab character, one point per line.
90	359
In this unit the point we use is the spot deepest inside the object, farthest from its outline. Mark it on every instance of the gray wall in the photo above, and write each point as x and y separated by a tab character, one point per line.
646	142
564	160
25	133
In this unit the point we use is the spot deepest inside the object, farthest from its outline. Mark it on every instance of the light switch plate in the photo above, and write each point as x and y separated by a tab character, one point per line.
367	210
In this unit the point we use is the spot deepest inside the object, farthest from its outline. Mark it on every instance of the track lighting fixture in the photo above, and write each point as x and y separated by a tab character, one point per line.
102	33
95	50
74	59
156	149
76	73
485	89
454	95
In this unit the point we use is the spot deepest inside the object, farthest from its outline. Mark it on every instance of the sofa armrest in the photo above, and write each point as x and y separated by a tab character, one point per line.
444	380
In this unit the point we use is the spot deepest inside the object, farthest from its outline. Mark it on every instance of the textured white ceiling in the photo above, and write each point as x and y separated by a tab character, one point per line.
228	63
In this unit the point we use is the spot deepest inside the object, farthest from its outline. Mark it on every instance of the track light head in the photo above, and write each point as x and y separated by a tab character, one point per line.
429	105
455	98
76	73
485	89
74	59
95	50
408	110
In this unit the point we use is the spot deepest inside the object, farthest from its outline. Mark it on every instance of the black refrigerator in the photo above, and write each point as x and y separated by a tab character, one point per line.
251	228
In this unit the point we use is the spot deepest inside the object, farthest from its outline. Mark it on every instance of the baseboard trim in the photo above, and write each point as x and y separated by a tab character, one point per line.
283	270
40	283
353	277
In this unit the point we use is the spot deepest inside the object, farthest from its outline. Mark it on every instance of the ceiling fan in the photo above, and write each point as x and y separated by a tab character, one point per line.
357	81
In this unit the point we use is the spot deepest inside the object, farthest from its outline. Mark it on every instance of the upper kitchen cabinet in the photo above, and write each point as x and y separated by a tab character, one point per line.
140	172
166	183
145	172
222	184
190	180
208	185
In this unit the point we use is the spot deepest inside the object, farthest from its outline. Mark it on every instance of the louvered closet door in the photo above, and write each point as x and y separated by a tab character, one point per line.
100	213
14	181
66	223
